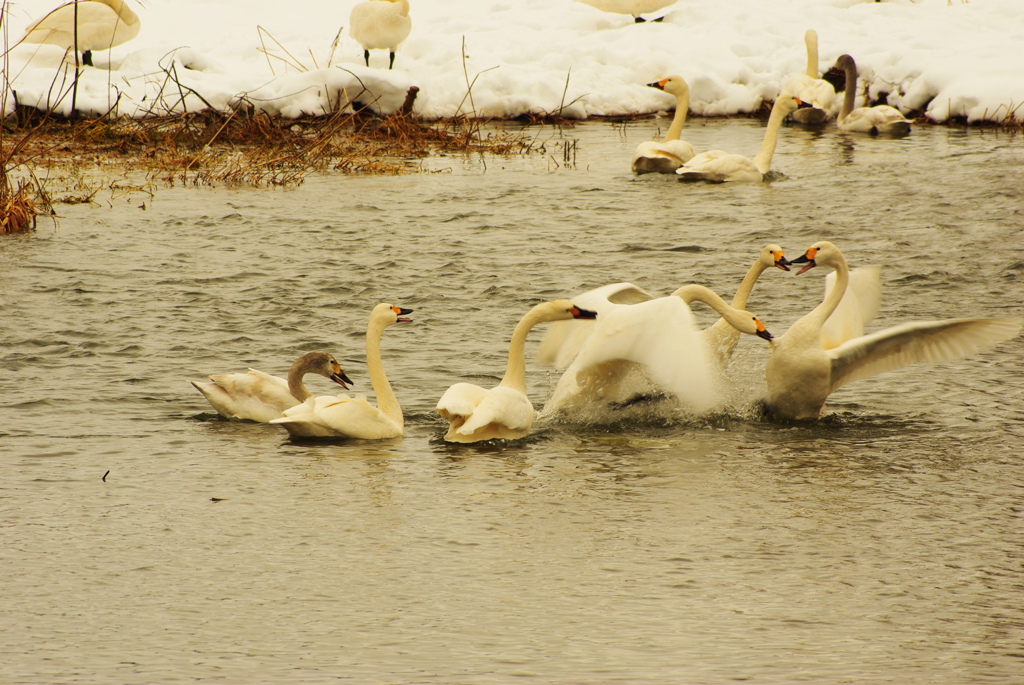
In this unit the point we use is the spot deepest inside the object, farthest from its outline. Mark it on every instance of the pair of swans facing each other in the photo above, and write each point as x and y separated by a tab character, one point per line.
380	25
806	366
102	24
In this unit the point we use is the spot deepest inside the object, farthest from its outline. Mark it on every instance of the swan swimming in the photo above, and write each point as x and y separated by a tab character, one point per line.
810	88
671	153
258	396
631	7
659	335
801	373
380	25
353	417
719	166
503	412
874	120
102	24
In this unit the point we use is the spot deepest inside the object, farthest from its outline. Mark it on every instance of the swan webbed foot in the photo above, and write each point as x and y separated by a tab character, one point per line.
87	57
391	61
366	56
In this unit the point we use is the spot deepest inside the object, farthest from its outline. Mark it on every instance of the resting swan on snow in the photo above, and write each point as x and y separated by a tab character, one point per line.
353	417
659	335
671	153
504	411
801	373
631	7
380	25
818	92
719	166
258	396
874	120
102	24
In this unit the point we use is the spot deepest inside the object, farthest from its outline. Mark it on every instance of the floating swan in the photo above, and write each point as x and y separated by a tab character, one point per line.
258	396
719	166
380	25
102	24
631	7
659	335
801	373
354	417
671	153
874	120
811	89
504	411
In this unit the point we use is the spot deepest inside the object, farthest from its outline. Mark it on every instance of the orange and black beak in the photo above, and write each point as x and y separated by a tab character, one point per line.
401	312
660	85
578	313
339	376
800	104
762	332
806	258
780	260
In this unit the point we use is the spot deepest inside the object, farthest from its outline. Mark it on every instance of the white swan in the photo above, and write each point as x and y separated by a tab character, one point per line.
801	373
380	25
504	411
102	24
719	166
631	7
659	335
354	417
671	153
258	396
874	120
811	89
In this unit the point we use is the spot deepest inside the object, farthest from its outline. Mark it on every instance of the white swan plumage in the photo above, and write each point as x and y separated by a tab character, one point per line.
817	92
719	166
635	8
380	25
343	416
659	335
667	155
878	119
801	373
258	396
503	412
102	24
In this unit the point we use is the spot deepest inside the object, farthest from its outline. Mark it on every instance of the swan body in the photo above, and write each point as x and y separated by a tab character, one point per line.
801	373
355	417
659	335
719	166
504	412
671	153
380	25
635	8
811	89
874	120
102	24
258	396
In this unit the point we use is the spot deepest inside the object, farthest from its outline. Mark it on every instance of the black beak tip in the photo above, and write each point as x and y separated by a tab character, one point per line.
584	314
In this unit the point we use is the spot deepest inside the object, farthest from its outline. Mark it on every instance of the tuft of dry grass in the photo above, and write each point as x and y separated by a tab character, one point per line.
18	204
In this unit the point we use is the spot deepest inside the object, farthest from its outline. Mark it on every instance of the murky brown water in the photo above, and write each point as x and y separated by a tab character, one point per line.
883	544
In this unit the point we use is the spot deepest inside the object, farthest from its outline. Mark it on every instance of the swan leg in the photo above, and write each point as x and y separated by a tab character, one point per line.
391	63
366	56
87	57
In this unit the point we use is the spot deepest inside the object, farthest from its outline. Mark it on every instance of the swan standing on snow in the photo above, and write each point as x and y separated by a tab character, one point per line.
874	120
354	417
631	7
102	24
504	411
671	153
661	336
818	92
719	166
801	374
258	396
380	25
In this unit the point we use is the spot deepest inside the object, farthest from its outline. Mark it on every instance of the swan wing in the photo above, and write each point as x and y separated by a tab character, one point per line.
925	341
338	416
564	339
880	118
661	157
855	311
254	396
506	412
719	166
461	399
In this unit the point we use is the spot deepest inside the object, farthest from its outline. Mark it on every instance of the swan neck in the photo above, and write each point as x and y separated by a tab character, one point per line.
824	310
763	160
811	40
295	385
515	369
851	92
698	293
386	400
682	108
739	300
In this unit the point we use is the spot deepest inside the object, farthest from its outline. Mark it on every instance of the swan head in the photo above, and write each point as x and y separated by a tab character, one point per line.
822	253
772	255
389	314
325	365
673	85
787	104
561	310
757	328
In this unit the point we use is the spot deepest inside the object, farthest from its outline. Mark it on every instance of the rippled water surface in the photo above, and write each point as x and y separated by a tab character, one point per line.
881	544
